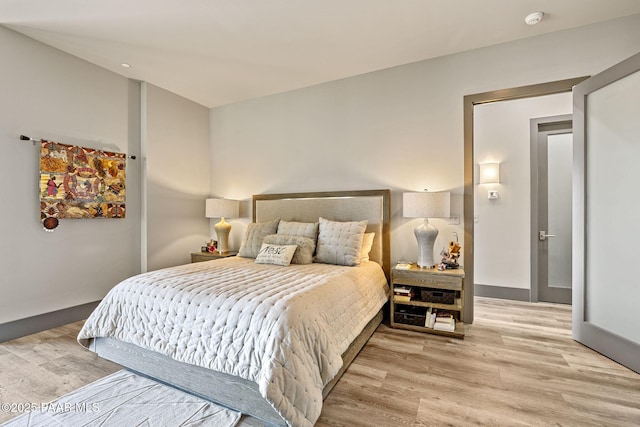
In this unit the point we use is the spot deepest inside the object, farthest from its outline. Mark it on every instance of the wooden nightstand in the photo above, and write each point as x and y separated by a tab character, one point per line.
208	256
413	314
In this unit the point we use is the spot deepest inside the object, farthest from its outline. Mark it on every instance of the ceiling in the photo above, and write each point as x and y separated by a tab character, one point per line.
217	52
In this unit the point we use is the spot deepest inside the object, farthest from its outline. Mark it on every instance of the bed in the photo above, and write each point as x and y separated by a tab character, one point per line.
304	323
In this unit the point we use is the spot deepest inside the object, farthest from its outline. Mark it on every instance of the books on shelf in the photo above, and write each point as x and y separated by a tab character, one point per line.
402	293
443	316
431	318
440	320
401	265
449	327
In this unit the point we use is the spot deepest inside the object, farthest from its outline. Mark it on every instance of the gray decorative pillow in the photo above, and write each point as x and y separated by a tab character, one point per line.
340	243
304	252
275	254
256	232
306	229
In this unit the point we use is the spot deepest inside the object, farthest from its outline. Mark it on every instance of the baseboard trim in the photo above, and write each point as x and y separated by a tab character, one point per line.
42	322
515	294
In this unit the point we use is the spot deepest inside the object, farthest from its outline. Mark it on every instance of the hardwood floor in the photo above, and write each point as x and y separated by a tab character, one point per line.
43	366
517	366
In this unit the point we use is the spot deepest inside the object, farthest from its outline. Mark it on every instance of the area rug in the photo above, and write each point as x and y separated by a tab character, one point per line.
126	399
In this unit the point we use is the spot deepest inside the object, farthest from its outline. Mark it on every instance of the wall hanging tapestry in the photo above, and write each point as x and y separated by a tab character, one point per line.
78	182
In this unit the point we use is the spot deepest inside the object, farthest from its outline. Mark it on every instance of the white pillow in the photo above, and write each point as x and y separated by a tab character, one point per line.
256	232
275	254
306	229
304	252
367	243
340	243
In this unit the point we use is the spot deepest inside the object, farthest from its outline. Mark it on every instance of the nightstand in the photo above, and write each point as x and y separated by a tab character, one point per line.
430	290
208	256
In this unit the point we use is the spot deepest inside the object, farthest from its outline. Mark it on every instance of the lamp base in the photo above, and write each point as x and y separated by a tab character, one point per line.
426	236
222	229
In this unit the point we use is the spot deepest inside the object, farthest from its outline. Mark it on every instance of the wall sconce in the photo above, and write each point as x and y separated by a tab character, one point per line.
221	208
490	174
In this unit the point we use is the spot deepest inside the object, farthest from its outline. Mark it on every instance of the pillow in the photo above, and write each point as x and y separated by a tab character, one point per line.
367	243
340	243
252	241
304	252
306	229
275	254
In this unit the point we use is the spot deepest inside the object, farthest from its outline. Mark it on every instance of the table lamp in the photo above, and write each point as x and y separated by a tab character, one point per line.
426	205
222	208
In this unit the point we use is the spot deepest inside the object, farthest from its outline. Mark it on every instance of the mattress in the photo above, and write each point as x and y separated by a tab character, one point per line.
284	328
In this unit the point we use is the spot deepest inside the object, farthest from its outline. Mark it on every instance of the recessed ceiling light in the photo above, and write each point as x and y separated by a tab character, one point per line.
534	18
125	65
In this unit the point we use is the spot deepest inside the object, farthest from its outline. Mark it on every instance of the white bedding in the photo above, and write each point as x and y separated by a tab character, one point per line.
283	327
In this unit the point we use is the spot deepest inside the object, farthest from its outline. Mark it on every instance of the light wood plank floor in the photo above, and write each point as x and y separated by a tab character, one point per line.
517	366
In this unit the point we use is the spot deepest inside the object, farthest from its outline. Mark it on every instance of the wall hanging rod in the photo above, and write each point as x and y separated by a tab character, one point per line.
28	138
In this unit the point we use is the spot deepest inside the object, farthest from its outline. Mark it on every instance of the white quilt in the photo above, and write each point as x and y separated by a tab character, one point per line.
283	327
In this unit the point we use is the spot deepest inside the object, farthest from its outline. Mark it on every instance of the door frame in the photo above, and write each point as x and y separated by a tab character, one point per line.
613	346
541	128
469	101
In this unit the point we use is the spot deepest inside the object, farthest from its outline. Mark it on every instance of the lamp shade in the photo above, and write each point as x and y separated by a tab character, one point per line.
489	173
222	208
426	204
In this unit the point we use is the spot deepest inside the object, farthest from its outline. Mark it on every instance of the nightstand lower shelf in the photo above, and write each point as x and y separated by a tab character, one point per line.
458	333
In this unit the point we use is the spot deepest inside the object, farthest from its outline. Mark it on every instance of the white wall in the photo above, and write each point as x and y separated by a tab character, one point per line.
502	246
400	128
48	94
176	146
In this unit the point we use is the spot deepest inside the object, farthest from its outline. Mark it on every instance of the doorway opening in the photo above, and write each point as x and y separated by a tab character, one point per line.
470	101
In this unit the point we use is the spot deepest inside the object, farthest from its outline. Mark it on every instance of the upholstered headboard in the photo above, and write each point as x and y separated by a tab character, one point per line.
370	205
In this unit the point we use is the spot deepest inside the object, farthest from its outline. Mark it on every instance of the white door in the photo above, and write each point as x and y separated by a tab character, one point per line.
606	231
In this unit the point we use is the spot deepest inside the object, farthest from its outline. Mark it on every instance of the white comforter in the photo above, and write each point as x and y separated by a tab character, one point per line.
283	327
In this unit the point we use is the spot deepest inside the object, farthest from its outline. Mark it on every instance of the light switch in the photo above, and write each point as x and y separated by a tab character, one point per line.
493	194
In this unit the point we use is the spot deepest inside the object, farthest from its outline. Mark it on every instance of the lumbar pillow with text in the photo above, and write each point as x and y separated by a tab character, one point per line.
275	254
306	246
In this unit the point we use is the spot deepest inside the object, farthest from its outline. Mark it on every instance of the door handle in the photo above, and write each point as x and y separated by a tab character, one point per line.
542	235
